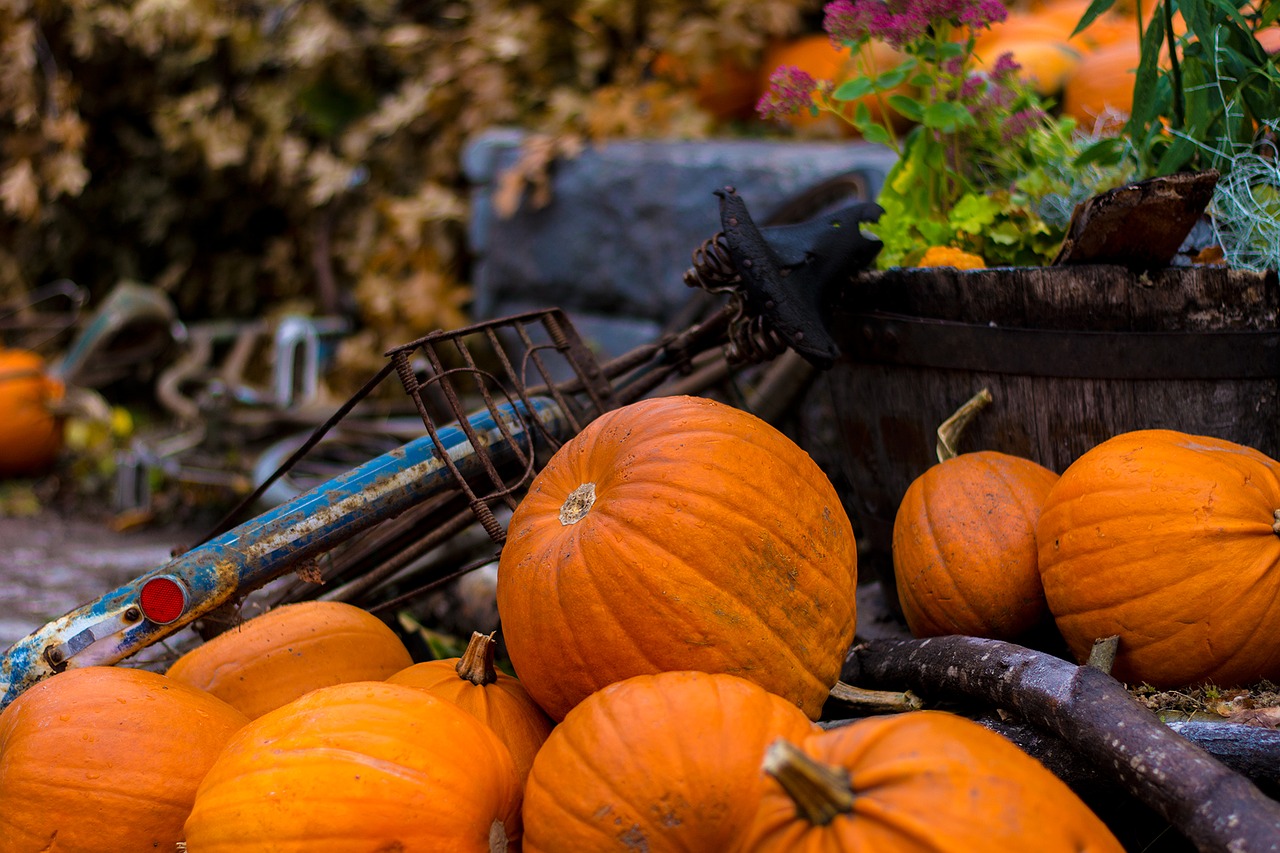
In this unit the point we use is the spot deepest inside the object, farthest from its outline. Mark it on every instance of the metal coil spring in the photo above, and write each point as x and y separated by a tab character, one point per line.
751	339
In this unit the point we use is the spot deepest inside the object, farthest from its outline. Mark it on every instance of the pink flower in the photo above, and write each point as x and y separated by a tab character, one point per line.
1021	122
972	87
982	13
790	90
1005	67
897	22
900	22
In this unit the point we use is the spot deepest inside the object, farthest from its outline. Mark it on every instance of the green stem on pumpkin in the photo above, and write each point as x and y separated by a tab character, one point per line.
821	792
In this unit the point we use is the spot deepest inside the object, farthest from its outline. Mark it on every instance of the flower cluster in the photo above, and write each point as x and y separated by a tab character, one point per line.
790	91
972	162
901	22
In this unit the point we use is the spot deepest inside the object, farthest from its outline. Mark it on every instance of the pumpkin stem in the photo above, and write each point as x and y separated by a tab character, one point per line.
876	701
952	427
498	842
1275	526
1103	654
578	504
821	792
476	663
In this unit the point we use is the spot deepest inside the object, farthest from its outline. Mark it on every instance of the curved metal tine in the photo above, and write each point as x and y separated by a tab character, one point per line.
88	361
63	288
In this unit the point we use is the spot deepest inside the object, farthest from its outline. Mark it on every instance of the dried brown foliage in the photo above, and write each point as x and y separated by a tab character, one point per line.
244	154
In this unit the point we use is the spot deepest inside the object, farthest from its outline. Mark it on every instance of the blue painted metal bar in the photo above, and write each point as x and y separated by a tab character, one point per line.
112	628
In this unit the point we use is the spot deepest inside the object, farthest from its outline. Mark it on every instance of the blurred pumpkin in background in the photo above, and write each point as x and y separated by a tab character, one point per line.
1040	40
727	88
818	57
30	426
1101	90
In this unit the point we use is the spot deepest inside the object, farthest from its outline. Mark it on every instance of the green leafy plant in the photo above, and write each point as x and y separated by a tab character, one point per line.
1207	96
985	168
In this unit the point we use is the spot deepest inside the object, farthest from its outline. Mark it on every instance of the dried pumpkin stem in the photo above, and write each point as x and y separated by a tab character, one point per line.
1275	525
578	504
498	841
476	663
821	792
1103	654
876	701
950	430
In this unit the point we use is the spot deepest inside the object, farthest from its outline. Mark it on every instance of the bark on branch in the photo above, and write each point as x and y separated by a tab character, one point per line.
1214	807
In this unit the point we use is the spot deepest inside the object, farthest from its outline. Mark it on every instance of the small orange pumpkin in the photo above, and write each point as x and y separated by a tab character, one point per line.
279	655
678	533
964	547
105	758
30	430
360	766
949	256
496	699
1170	541
924	780
666	762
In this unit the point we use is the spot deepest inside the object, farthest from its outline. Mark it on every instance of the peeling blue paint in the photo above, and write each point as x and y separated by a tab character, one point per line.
112	628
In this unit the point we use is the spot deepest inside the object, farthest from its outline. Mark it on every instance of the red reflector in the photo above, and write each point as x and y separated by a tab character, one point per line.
162	600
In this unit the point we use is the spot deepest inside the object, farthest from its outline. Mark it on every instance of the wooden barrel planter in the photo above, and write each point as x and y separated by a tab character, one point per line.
1072	355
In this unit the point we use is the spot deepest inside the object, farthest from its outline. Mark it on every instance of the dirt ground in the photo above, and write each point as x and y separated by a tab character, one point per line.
50	564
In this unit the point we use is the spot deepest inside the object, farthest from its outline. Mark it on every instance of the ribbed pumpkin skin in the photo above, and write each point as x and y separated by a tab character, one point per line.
30	434
105	758
276	657
504	706
964	547
714	543
1166	540
926	782
659	763
361	767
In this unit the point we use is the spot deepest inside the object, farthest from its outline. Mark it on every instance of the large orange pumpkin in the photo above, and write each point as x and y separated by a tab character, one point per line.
964	547
1171	542
357	767
666	762
922	781
105	758
30	430
496	699
678	533
277	656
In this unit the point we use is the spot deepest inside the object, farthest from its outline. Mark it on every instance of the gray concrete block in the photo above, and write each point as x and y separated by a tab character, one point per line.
625	217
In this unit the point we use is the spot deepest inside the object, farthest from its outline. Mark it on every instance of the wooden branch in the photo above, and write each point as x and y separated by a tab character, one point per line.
1250	751
1212	805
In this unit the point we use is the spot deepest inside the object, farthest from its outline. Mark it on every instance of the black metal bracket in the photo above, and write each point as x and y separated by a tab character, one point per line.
786	270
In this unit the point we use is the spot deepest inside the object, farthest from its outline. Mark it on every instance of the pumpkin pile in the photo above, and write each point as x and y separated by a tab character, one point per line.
678	597
1168	541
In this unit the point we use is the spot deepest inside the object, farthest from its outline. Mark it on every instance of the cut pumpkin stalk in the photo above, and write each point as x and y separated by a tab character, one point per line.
821	792
876	701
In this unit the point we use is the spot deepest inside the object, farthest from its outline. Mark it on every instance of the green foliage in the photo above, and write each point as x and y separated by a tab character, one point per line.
985	169
1200	97
1209	98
